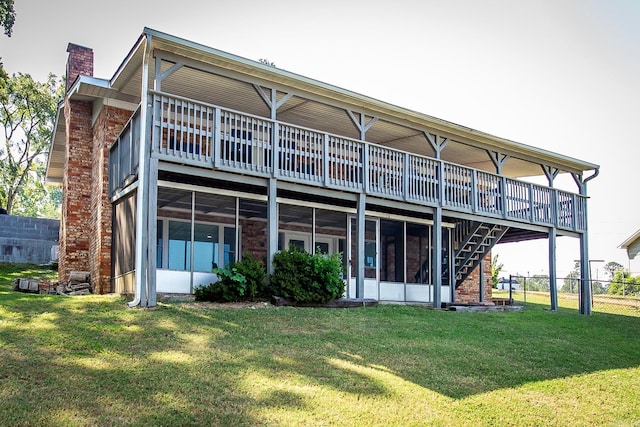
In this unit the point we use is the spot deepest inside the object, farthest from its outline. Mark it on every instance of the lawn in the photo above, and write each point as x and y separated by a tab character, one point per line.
90	360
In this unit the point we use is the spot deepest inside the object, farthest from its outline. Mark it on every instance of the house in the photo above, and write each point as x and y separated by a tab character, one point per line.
189	157
503	284
632	247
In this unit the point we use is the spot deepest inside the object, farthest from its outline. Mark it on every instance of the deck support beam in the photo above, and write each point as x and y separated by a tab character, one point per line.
585	274
437	143
550	173
142	196
152	232
498	159
360	246
272	223
436	259
481	279
553	288
272	101
361	123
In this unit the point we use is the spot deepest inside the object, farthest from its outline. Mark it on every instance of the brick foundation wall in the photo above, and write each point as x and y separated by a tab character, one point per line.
468	291
107	127
76	187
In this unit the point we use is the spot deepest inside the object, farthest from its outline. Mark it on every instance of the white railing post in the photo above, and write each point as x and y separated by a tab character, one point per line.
217	137
532	205
325	159
406	174
574	212
441	190
503	196
275	150
474	190
365	167
555	212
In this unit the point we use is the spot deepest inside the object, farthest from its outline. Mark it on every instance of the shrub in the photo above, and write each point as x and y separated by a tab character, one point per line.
307	278
255	274
242	281
231	286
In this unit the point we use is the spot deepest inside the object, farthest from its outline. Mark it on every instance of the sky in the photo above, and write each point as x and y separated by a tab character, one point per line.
562	75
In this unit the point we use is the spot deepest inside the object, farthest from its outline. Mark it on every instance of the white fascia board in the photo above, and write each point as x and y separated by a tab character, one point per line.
625	245
58	122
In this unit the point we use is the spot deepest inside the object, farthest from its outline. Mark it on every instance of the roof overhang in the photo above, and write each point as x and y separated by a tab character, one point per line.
88	89
630	241
92	89
372	106
55	161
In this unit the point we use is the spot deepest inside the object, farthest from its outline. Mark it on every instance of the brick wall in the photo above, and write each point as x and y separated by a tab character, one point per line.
468	291
76	188
79	62
106	129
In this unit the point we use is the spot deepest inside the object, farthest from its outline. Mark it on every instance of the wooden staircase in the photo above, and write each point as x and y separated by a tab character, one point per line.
474	241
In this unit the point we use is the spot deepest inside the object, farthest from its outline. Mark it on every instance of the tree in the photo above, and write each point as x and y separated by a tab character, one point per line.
623	284
539	282
27	113
7	16
611	268
496	268
572	281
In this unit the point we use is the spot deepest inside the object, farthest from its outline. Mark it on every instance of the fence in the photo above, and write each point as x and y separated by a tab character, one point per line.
535	290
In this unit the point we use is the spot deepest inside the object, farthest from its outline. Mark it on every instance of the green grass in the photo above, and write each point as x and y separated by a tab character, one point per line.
90	360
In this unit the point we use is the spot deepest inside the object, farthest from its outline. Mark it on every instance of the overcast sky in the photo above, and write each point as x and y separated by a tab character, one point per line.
557	74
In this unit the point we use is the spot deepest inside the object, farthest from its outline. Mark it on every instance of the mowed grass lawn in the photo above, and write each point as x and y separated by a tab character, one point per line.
90	360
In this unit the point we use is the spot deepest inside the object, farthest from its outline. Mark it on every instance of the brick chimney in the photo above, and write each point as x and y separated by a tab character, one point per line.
76	181
85	226
79	62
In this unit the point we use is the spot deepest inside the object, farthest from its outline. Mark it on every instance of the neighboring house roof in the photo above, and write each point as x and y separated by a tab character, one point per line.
126	85
632	245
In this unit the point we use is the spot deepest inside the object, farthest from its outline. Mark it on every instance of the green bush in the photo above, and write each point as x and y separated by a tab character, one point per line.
231	286
307	278
255	274
242	281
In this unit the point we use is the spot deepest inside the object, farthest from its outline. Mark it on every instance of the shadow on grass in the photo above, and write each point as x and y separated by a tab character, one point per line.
90	360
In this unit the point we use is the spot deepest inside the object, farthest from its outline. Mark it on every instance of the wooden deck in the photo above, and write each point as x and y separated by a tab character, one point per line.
208	136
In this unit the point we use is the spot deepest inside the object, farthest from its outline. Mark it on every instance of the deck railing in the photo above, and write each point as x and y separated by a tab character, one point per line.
209	136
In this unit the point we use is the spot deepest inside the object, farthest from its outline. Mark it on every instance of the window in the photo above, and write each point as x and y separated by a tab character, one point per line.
205	247
174	251
179	245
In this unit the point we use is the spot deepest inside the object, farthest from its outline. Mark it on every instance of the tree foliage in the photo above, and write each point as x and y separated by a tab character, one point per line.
539	283
27	113
571	283
7	16
496	268
611	268
624	284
